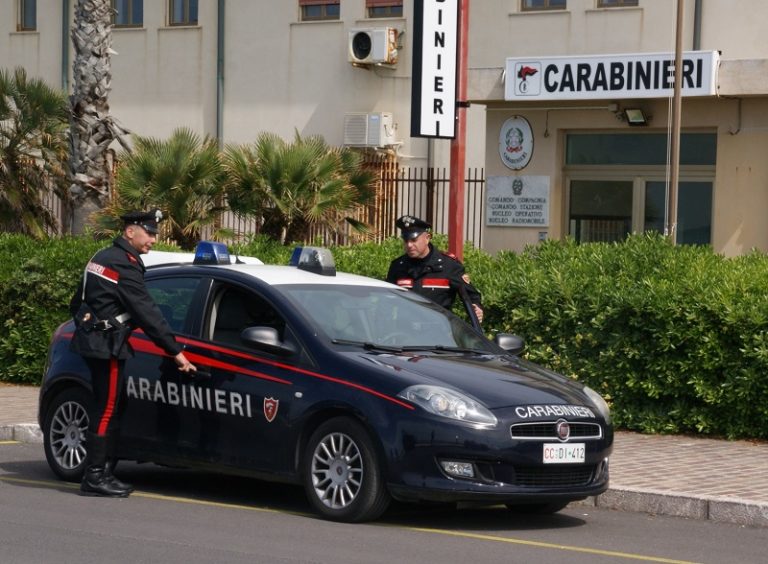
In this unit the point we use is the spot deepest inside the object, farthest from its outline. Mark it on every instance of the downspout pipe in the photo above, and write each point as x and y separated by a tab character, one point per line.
65	46
697	25
220	72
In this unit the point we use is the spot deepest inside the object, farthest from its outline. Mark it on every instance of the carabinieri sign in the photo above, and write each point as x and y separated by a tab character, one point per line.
433	88
643	75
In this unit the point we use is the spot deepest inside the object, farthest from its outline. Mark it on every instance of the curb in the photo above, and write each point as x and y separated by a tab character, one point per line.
709	508
22	432
621	498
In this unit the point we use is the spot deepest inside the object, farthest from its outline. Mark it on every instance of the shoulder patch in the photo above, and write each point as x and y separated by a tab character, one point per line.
450	256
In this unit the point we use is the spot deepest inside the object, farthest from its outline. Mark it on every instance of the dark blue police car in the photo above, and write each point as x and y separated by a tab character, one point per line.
357	389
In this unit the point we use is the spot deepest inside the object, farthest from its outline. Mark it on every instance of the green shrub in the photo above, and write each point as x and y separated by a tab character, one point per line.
673	336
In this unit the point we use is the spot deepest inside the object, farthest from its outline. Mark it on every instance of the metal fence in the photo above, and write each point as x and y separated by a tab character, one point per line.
423	192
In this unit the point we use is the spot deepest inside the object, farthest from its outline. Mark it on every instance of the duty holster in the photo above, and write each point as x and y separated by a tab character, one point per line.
99	338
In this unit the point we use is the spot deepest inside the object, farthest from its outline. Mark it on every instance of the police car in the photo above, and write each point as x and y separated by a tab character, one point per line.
357	389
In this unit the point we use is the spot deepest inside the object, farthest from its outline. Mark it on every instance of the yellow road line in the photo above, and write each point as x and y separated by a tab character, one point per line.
9	442
446	532
494	538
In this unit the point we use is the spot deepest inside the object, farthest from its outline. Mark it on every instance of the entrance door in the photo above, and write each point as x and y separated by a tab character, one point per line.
606	210
600	210
694	211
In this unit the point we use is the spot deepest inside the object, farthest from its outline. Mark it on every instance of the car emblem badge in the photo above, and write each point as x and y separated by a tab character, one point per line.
563	430
270	408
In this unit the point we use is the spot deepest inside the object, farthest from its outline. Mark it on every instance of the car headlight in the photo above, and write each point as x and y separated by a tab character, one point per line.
598	401
449	403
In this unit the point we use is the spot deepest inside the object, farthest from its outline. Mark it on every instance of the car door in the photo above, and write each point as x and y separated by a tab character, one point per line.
155	391
244	410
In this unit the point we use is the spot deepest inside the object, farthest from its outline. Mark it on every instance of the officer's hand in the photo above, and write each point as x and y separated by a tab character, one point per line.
478	312
184	364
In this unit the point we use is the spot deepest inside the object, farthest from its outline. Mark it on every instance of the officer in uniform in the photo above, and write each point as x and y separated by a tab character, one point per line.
109	303
425	270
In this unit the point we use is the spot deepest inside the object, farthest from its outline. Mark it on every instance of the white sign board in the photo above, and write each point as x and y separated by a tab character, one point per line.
643	75
433	88
517	201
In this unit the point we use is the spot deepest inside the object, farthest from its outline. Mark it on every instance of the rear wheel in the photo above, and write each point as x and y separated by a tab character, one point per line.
64	430
537	508
342	474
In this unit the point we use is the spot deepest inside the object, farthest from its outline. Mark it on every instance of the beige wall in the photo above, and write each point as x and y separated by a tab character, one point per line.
283	75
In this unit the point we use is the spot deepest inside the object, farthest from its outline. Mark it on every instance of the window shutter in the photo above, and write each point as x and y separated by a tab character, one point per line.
317	2
382	3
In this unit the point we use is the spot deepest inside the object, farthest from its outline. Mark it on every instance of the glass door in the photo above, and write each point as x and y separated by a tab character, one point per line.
694	211
600	210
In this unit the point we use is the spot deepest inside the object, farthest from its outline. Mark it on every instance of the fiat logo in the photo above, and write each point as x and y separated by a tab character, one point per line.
563	430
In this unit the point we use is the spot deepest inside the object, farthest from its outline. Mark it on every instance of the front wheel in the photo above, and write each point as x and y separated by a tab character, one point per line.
342	474
64	431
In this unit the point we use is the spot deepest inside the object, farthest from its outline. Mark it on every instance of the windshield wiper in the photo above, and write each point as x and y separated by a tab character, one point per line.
367	345
443	348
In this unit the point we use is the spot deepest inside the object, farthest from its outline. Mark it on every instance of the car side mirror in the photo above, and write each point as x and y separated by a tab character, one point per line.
513	344
266	339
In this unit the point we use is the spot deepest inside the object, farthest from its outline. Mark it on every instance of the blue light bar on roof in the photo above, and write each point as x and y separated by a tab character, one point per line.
211	252
314	259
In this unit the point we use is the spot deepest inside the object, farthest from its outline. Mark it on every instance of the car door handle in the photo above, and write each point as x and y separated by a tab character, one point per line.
200	374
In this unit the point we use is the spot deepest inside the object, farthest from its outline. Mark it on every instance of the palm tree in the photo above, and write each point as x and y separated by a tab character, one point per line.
33	152
92	128
182	176
294	186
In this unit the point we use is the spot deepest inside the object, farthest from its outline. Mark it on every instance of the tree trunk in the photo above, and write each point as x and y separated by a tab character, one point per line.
92	129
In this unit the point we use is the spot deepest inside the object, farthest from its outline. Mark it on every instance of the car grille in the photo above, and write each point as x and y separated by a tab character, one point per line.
540	477
547	431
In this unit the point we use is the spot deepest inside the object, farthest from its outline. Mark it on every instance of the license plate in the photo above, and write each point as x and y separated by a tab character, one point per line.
558	453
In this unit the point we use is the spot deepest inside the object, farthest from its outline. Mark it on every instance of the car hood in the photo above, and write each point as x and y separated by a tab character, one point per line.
497	381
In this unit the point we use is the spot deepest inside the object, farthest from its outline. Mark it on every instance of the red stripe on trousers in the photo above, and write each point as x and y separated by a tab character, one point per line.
109	409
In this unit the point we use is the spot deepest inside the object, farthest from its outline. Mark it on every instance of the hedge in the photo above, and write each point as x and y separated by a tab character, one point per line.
673	336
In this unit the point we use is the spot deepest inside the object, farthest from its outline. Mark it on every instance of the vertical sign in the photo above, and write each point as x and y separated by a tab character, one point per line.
433	94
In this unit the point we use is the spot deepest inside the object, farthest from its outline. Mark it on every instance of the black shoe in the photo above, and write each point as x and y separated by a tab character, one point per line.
116	483
97	483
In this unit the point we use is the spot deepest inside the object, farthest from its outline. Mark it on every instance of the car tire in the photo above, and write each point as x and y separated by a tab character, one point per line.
64	431
537	508
342	473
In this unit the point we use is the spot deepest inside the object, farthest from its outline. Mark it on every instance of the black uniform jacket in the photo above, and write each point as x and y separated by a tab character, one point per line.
114	286
437	276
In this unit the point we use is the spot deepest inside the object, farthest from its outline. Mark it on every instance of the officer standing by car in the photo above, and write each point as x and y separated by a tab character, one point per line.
429	272
109	303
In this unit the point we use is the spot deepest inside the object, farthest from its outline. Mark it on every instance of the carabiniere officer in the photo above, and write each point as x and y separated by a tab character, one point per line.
427	271
109	303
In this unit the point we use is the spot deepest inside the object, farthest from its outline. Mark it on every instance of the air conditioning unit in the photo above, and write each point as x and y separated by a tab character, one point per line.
376	45
363	129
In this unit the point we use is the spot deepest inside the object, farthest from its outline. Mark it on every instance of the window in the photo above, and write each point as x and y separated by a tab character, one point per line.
615	3
237	310
384	8
618	186
537	5
175	298
27	15
183	12
128	13
312	10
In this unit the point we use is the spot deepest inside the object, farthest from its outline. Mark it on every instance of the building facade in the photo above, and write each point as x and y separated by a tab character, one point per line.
571	100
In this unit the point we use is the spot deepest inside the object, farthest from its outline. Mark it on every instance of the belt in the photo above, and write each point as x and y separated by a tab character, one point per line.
123	317
105	325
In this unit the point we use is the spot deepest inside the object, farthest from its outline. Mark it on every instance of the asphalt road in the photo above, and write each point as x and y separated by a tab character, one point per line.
179	516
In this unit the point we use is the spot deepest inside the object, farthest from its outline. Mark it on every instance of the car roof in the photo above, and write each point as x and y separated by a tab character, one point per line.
274	275
159	258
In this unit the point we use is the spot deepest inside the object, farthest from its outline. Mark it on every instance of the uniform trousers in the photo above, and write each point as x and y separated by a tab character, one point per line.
107	379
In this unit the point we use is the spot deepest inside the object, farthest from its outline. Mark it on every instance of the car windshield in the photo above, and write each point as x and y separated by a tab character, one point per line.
378	317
